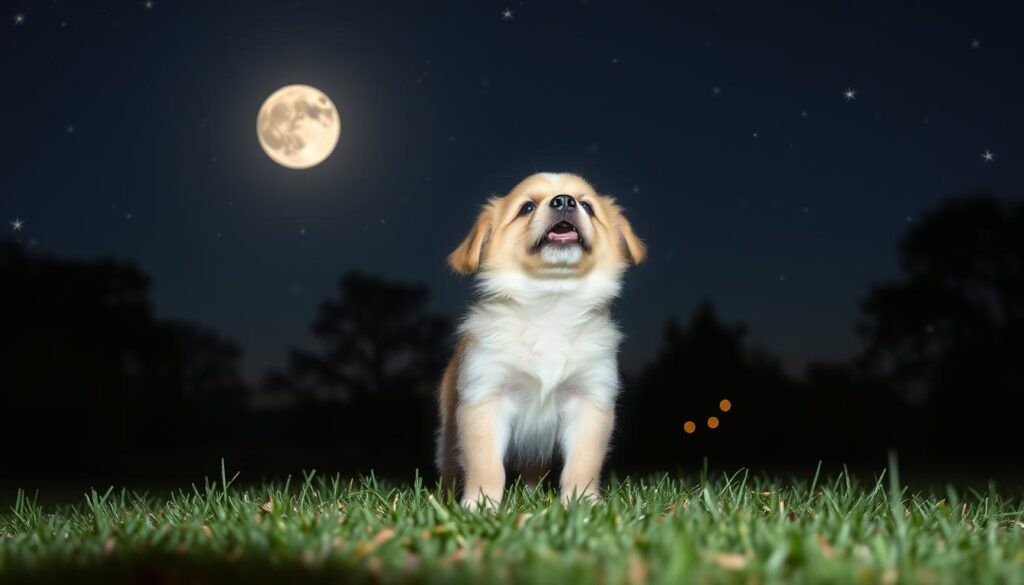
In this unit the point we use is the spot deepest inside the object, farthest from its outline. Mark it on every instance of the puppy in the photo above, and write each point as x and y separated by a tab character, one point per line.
535	366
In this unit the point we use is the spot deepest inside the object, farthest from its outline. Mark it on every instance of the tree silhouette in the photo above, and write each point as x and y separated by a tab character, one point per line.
950	333
377	338
372	381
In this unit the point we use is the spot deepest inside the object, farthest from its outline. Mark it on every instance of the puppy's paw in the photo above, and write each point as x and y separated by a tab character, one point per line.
480	502
588	496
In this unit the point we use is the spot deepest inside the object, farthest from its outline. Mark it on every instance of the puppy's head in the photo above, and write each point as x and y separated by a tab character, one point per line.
551	225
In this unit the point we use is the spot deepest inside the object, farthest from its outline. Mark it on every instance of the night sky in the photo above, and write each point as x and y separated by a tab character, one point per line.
770	158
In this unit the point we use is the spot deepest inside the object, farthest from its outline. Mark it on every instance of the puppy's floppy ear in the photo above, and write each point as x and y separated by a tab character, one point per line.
467	257
635	248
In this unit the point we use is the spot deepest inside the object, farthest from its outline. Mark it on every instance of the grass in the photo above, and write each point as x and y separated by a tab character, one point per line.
732	529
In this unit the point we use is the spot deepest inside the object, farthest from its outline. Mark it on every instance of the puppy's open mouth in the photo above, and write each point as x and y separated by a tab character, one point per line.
562	233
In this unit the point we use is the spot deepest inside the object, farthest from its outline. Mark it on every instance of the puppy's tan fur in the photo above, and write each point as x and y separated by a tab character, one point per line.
534	368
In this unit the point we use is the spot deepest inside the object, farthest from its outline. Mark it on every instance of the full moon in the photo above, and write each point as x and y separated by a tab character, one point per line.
298	126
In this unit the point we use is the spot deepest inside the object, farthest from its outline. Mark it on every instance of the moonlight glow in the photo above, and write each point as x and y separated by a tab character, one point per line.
298	126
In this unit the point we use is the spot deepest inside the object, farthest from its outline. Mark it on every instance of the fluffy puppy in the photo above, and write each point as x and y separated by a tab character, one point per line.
535	366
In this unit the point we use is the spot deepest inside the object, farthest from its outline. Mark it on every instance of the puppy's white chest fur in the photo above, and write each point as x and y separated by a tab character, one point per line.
538	355
538	350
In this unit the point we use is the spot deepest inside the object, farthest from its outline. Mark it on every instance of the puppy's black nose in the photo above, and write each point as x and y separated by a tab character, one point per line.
563	203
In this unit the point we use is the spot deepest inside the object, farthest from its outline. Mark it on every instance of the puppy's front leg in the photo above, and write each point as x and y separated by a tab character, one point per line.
584	438
483	438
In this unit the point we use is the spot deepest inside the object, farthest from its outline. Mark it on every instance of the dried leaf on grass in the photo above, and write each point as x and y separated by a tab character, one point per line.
639	570
727	560
366	547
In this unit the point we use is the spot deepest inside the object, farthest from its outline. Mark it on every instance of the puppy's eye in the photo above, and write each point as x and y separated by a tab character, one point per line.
527	208
588	207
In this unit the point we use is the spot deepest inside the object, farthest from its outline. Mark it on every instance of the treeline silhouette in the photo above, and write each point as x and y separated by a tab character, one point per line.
95	385
89	375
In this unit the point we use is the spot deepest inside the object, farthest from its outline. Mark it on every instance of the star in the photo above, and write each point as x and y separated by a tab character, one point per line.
988	155
975	44
17	224
70	129
507	14
803	114
716	90
148	4
850	94
19	18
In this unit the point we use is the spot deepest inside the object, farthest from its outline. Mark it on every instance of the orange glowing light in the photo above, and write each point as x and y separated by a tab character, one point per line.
725	405
713	422
689	427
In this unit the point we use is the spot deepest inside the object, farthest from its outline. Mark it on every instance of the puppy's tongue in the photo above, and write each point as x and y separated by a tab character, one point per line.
569	236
